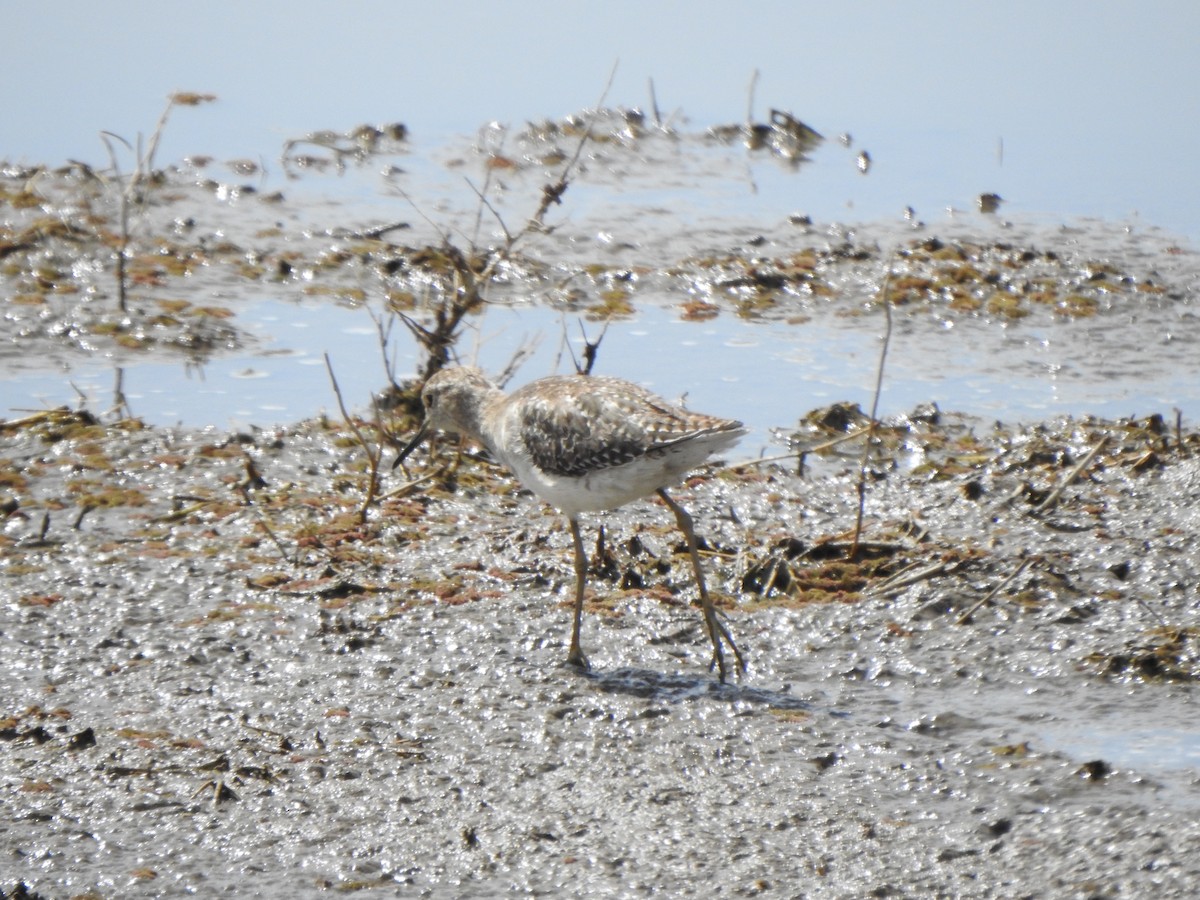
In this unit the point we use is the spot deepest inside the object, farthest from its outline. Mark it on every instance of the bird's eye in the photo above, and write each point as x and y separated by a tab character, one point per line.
430	401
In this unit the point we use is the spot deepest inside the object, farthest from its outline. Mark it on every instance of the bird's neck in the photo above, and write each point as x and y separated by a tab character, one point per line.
474	420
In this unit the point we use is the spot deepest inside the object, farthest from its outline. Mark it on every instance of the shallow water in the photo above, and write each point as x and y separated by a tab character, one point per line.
767	368
917	89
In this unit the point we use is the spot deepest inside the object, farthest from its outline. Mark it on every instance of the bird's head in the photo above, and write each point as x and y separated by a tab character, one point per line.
453	400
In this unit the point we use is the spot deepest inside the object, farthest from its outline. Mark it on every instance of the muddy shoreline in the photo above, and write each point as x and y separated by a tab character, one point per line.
232	663
219	684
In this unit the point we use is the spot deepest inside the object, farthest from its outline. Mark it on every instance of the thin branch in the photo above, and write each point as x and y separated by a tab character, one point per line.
384	331
373	454
874	421
469	280
442	234
523	352
654	106
1025	563
552	193
409	486
590	348
802	452
761	461
123	214
750	101
1078	470
262	521
908	576
146	163
143	170
1148	608
486	204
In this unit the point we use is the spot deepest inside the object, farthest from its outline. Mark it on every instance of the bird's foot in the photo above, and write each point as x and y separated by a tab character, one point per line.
717	632
718	662
576	658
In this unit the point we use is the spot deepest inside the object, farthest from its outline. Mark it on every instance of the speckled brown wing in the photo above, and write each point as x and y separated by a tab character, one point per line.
573	425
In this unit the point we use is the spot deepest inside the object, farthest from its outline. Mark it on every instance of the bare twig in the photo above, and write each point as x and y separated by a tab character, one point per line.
142	171
802	452
1148	608
874	421
373	453
442	233
470	274
750	101
121	405
908	576
484	203
410	486
654	106
146	161
262	521
590	349
1025	563
1056	494
522	353
123	216
761	461
384	330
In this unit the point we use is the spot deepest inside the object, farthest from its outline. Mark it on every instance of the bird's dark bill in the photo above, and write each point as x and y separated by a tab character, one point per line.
411	445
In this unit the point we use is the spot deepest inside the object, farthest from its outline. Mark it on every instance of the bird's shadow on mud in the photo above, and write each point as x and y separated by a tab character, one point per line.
676	688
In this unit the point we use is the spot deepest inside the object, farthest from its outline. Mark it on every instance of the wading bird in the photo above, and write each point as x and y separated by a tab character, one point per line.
586	443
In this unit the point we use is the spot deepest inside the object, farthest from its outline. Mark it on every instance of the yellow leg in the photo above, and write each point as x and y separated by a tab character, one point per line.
575	655
716	628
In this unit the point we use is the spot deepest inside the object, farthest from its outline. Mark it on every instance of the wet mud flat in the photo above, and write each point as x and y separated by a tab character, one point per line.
231	664
220	678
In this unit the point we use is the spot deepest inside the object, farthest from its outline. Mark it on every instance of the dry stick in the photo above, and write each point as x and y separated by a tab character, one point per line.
123	244
874	421
654	105
466	290
442	233
373	455
384	331
145	164
468	285
121	405
761	460
1025	563
262	520
1071	476
590	348
403	489
816	448
910	574
750	102
520	355
481	193
612	74
143	169
551	193
1148	608
484	203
